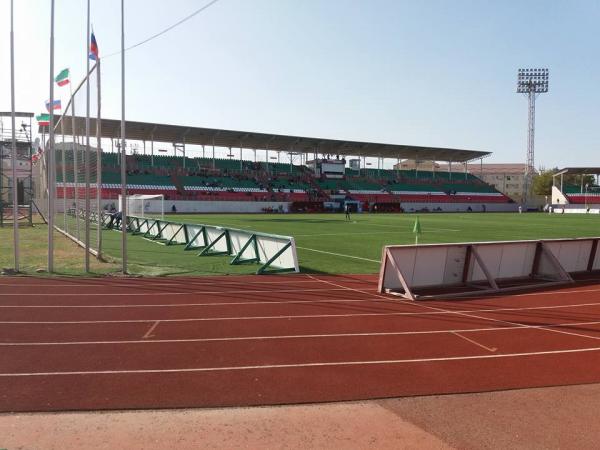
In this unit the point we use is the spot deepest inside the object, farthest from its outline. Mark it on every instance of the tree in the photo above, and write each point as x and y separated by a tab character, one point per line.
542	182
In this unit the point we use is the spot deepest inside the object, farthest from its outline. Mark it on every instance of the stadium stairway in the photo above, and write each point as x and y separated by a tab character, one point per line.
178	184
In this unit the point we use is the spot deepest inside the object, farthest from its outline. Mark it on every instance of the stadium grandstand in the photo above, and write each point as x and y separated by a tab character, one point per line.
576	190
322	174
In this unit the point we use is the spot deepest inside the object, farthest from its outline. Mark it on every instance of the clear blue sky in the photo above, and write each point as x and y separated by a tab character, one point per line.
438	73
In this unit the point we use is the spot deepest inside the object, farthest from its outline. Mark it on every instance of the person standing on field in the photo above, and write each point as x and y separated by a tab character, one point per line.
347	211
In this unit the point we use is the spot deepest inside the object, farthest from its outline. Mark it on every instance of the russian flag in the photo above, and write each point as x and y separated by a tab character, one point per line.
93	48
55	105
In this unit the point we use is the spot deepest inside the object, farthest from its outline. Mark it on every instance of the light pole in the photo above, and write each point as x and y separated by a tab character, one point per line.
531	82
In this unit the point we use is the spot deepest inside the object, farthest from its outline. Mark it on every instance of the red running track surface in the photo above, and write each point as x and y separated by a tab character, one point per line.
106	343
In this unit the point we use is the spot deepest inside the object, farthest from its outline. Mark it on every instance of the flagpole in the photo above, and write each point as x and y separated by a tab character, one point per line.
123	150
15	196
50	151
64	170
75	163
87	144
98	165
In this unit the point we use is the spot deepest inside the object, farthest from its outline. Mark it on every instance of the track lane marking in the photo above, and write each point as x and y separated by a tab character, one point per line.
472	341
293	336
303	365
395	299
441	312
178	305
149	283
136	294
418	304
150	330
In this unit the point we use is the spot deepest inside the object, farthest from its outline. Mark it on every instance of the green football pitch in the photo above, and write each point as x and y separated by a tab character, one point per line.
326	243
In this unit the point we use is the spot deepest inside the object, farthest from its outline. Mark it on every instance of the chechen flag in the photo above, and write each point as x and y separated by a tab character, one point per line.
62	78
43	119
93	48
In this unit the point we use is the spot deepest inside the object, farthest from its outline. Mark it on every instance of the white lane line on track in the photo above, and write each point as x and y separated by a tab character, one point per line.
535	294
153	294
435	312
292	336
132	283
178	305
421	305
144	282
473	341
339	254
307	365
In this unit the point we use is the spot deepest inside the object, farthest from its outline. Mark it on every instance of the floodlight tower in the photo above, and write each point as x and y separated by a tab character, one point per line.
531	82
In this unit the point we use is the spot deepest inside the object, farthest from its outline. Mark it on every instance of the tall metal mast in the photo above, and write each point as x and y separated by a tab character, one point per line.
531	82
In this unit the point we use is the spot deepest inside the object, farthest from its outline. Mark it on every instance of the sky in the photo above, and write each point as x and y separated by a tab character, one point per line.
429	73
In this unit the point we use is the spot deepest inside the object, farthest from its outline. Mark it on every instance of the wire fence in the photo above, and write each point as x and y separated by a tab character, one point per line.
76	175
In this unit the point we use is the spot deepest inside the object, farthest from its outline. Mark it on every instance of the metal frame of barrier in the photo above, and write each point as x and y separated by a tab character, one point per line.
461	269
273	252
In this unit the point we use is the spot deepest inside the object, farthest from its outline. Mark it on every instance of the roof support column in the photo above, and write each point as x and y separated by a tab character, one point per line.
213	156
481	168
267	158
433	168
152	150
144	144
241	164
561	182
450	169
152	146
202	151
466	175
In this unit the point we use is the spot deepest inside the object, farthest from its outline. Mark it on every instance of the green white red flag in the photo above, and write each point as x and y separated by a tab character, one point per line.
62	78
43	119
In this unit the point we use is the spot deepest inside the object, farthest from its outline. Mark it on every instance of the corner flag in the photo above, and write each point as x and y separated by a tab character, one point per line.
417	230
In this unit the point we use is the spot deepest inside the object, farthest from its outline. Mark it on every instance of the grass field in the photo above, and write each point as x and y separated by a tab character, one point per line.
327	243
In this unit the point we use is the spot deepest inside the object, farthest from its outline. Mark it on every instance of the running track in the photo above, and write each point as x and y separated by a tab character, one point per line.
72	343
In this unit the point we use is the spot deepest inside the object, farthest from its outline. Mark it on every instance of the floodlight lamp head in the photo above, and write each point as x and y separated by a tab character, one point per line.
532	81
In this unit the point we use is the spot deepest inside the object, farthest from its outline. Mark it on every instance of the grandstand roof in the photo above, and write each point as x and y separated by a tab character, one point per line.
579	171
17	114
264	141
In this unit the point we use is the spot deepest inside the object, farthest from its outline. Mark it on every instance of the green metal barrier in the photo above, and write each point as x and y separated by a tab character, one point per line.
273	252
